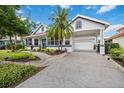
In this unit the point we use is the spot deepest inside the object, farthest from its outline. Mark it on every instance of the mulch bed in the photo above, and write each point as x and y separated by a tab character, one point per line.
57	52
119	62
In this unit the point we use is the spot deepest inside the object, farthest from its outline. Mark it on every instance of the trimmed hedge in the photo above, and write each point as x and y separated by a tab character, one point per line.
11	74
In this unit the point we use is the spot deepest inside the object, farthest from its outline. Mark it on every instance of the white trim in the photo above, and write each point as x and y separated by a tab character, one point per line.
38	28
93	19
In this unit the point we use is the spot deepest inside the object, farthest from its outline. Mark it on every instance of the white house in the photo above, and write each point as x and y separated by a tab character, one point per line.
118	38
86	31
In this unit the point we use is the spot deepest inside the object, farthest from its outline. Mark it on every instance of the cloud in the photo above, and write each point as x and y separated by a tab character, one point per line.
114	27
28	7
71	9
89	7
23	18
95	7
112	30
106	8
65	6
19	12
38	22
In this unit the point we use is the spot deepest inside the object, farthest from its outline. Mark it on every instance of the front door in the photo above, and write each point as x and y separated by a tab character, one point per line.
43	43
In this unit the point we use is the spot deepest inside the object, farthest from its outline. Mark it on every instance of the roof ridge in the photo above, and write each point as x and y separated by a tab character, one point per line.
90	18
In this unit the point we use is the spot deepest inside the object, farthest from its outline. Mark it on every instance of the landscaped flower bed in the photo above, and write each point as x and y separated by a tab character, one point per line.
118	55
49	51
16	56
12	74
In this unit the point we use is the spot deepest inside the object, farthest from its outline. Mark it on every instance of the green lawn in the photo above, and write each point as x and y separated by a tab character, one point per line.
12	74
12	56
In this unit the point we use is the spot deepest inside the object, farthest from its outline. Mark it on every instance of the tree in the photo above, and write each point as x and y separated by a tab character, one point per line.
12	25
8	21
60	27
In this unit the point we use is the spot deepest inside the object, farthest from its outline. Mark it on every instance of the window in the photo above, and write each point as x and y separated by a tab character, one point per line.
53	42
42	29
36	42
67	42
29	41
57	42
78	24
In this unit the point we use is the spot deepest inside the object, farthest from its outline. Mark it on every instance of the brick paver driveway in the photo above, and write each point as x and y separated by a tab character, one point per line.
78	69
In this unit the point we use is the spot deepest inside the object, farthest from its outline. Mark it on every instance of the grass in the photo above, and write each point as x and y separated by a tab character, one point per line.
13	56
12	74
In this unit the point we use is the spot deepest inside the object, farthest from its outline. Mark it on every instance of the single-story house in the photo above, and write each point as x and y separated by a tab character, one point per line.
85	35
118	38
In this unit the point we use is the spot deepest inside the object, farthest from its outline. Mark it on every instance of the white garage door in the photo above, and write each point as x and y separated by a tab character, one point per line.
83	43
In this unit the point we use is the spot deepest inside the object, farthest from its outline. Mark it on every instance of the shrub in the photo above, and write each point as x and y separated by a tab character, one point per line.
114	45
46	50
22	50
115	53
11	74
7	46
38	49
121	57
109	46
6	55
20	46
20	55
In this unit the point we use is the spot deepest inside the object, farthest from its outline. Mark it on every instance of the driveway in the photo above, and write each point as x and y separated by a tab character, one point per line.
78	69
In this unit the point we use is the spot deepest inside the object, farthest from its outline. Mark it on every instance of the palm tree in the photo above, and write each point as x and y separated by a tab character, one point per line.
60	28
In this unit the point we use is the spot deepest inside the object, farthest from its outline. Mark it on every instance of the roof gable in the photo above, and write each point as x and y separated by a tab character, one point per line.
91	19
38	28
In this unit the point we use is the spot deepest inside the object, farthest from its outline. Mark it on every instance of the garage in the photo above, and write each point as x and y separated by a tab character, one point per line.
83	43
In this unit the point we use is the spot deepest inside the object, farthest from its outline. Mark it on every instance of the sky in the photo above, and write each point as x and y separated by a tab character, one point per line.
113	14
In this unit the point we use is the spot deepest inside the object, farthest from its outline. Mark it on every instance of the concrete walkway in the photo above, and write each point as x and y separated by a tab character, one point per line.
78	69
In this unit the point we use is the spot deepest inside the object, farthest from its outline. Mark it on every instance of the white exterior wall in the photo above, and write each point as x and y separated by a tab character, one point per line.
87	25
40	30
119	40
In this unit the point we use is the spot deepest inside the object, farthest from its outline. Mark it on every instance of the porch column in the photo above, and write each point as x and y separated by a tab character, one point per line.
102	46
39	42
46	41
33	41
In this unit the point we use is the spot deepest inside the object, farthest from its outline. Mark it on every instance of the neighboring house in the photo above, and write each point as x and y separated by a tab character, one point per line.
5	41
86	31
118	38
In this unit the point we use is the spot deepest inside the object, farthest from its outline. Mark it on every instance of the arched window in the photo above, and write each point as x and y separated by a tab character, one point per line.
42	29
78	24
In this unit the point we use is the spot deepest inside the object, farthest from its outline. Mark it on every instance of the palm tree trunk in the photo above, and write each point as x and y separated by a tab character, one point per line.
61	44
58	45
